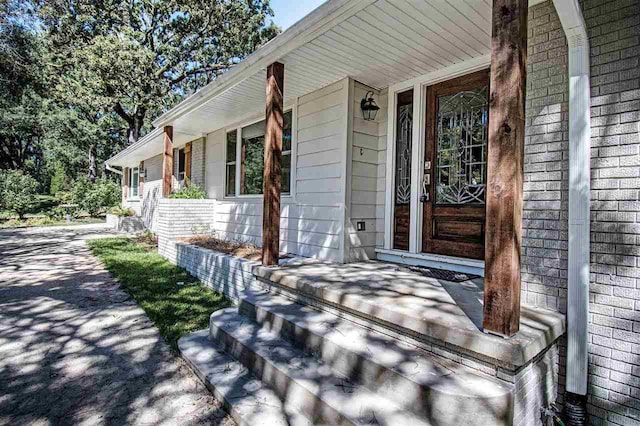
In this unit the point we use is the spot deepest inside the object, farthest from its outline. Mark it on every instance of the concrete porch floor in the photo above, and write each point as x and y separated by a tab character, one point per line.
424	307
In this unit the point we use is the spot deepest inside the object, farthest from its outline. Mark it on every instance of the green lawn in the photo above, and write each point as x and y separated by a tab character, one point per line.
152	281
29	222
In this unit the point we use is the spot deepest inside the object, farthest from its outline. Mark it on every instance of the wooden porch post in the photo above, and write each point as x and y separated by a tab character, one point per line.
167	162
140	180
187	163
272	164
505	167
125	183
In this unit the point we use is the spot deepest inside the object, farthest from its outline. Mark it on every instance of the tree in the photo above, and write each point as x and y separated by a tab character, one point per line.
140	57
17	191
21	101
95	198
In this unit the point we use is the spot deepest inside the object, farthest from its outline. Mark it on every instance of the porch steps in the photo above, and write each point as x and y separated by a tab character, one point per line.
434	388
304	365
249	401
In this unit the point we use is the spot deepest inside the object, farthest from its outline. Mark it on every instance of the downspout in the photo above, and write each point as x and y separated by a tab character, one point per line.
579	208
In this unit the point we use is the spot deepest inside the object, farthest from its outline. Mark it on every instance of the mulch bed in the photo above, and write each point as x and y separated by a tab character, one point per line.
233	248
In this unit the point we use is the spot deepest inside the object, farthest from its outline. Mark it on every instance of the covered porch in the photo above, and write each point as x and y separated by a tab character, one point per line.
393	48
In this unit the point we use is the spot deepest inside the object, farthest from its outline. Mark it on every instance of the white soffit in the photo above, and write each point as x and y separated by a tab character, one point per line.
377	42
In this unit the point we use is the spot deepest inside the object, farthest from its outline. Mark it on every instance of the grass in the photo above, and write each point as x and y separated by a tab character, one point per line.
46	221
152	281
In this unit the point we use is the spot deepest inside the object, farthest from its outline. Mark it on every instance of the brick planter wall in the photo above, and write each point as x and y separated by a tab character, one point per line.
179	218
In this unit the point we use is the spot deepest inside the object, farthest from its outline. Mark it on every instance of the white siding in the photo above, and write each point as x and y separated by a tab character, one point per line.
367	151
146	206
152	191
312	218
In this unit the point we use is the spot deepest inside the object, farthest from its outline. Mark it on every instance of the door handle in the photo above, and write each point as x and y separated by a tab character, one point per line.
426	182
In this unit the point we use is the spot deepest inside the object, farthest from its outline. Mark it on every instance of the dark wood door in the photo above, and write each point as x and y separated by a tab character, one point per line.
453	190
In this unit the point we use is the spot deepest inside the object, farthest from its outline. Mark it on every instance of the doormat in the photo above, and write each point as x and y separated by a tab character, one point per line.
443	274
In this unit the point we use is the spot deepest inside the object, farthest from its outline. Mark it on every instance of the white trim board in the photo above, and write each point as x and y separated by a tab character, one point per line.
450	263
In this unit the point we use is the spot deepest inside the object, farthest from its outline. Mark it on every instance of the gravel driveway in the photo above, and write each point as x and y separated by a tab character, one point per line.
74	349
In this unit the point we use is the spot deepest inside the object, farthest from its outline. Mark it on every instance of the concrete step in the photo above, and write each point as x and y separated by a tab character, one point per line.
407	303
301	380
431	387
249	401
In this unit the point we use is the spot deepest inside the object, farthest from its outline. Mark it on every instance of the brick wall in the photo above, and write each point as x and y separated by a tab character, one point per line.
544	252
197	161
614	320
184	217
614	351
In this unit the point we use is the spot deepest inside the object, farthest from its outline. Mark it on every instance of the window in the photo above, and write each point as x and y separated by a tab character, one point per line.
181	164
251	171
402	181
230	185
134	175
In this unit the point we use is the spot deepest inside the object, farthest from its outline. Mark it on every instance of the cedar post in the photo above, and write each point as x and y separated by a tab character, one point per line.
272	164
167	162
125	183
505	169
187	163
141	180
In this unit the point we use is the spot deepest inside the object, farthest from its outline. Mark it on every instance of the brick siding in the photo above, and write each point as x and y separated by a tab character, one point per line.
198	161
614	311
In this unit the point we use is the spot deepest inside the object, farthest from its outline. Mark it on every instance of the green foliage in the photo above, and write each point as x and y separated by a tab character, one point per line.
17	192
59	179
140	58
190	190
153	282
95	198
122	211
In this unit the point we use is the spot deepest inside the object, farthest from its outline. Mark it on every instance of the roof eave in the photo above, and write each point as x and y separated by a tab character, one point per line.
297	35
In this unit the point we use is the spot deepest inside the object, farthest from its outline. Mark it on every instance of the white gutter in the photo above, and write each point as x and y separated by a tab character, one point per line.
139	143
579	193
111	169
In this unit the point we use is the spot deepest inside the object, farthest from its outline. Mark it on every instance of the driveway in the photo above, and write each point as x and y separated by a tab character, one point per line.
74	349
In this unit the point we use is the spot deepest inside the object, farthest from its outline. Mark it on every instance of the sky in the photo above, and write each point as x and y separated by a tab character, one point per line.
288	12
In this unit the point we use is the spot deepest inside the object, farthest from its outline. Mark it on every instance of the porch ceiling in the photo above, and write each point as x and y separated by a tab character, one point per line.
377	42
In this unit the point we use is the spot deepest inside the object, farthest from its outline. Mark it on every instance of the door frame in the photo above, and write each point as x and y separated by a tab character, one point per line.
472	212
419	85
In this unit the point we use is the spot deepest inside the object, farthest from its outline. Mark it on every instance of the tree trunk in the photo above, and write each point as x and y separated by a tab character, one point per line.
92	171
135	121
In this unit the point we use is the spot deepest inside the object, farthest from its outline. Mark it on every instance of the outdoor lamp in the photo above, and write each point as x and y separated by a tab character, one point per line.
369	107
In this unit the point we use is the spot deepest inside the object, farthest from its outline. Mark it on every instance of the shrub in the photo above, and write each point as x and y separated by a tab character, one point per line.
59	179
95	198
17	191
61	211
190	190
122	211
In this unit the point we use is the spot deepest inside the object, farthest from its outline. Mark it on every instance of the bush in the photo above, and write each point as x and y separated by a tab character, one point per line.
17	191
191	191
59	179
95	198
122	211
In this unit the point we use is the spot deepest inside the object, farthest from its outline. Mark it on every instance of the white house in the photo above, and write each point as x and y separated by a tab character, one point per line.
506	145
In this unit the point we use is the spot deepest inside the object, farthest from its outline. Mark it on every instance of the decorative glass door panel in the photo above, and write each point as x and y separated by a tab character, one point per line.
456	145
402	177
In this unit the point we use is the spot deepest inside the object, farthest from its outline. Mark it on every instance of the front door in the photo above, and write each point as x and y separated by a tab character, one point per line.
455	167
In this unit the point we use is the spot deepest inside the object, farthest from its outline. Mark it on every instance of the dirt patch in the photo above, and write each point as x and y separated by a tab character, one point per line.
233	248
148	240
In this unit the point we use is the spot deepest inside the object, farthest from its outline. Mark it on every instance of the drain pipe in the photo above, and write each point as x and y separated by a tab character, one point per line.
579	209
